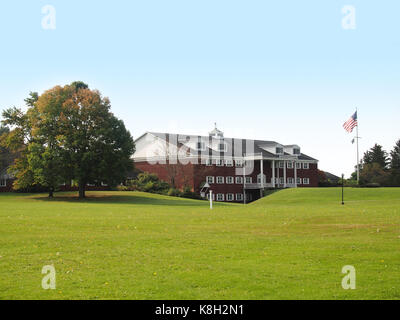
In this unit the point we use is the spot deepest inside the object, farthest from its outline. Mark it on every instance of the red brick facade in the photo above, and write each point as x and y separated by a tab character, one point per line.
195	175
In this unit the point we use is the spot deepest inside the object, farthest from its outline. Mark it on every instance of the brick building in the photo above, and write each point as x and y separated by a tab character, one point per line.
233	169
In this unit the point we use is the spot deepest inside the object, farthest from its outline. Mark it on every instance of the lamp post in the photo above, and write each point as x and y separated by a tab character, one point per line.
342	189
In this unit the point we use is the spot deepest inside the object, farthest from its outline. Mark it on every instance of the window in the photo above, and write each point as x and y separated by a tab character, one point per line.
209	162
306	181
201	146
220	197
220	180
239	180
281	164
222	147
281	180
220	162
249	180
290	180
229	163
298	180
229	180
239	163
230	197
298	165
210	179
3	183
239	196
208	196
290	165
279	150
259	178
306	165
296	151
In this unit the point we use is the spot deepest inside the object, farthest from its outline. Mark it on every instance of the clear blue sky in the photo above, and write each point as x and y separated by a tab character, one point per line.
274	70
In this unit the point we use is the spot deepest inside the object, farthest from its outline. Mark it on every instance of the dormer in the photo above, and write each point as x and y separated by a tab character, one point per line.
293	149
273	147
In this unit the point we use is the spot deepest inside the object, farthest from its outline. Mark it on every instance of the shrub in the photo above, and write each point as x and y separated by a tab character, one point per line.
372	185
122	188
174	192
188	193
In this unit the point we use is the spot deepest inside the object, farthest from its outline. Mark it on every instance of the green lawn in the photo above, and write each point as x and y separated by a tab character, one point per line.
130	245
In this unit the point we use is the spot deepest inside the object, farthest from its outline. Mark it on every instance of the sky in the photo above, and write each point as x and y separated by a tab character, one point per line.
289	71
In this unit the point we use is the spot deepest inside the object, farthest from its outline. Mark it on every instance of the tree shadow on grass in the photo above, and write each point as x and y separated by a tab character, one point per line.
125	199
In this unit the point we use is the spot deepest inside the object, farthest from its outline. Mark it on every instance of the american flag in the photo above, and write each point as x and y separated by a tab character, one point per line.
351	123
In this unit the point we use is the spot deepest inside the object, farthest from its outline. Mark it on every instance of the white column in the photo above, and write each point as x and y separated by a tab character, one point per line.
273	173
284	173
262	173
295	174
277	175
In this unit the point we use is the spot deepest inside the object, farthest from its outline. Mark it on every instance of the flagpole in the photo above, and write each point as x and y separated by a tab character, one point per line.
358	153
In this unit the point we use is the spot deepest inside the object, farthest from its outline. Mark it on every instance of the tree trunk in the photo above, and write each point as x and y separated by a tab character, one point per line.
82	190
51	192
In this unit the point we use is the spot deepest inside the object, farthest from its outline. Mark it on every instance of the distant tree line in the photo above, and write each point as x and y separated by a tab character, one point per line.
379	168
66	134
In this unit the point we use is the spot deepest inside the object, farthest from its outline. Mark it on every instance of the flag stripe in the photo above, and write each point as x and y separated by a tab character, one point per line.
350	124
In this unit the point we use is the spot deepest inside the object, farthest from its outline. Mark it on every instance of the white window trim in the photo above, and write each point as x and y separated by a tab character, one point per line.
230	194
229	178
289	165
281	165
239	163
212	179
209	162
3	182
299	181
249	180
306	180
229	163
290	180
239	196
208	196
219	162
306	165
220	197
298	165
220	178
259	178
239	180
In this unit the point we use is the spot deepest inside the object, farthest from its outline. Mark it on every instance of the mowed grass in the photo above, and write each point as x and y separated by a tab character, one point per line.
130	245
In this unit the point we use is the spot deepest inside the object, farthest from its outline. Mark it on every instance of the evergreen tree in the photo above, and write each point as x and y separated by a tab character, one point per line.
376	155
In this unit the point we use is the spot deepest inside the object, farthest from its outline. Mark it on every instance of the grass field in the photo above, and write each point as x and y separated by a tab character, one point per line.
130	245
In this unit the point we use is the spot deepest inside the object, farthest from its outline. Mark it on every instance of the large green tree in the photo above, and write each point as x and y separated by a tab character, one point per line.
395	156
5	153
395	164
68	133
16	140
376	155
46	157
97	145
